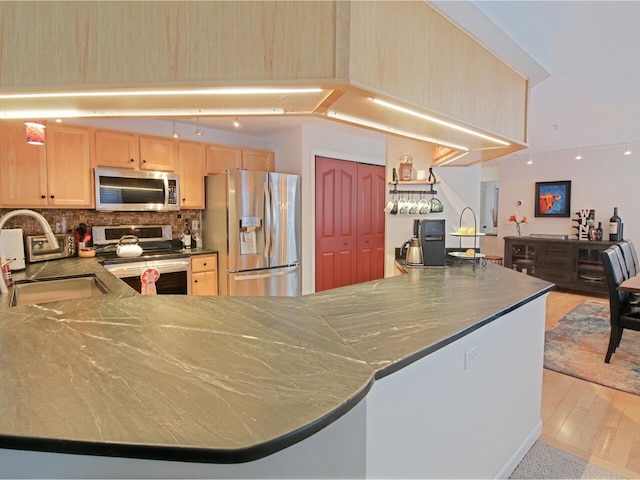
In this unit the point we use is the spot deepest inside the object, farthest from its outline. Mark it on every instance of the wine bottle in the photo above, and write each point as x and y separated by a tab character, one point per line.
186	239
599	231
615	226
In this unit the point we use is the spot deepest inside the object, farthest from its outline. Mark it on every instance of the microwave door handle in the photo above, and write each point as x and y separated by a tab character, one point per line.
166	190
267	223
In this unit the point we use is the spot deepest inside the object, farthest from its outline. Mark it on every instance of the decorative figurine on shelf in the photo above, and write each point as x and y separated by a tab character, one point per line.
514	218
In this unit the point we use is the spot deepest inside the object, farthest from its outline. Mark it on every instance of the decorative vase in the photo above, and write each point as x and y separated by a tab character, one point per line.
518	228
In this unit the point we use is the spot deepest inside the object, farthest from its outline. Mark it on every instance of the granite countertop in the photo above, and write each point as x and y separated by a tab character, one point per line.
222	379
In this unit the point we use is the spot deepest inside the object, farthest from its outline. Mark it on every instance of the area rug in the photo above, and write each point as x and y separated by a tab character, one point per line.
545	461
577	346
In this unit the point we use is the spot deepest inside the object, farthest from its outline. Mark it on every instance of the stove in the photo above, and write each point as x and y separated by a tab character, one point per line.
159	251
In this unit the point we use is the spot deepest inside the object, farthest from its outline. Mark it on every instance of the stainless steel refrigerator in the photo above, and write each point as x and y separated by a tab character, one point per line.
253	220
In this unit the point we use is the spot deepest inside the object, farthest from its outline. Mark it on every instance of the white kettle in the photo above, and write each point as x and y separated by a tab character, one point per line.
128	247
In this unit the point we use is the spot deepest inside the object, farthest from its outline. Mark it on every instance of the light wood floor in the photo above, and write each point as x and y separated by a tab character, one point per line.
596	423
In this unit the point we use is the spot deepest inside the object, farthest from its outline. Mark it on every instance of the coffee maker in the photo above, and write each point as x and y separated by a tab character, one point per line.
432	238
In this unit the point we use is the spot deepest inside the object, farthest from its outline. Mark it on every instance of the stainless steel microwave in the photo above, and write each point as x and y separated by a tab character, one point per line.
136	190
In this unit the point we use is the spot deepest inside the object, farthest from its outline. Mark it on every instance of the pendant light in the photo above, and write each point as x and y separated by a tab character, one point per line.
198	131
579	156
628	150
175	134
236	123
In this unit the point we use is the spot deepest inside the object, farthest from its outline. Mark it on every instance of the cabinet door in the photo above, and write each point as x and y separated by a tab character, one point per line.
69	179
23	182
336	223
204	276
259	160
371	222
221	158
157	153
116	149
204	283
191	161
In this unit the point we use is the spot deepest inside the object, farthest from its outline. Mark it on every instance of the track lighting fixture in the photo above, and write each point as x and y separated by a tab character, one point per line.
628	150
198	131
579	155
175	134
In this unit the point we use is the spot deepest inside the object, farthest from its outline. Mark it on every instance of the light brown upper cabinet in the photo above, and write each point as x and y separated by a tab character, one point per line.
69	180
137	152
57	174
117	149
260	160
23	182
158	153
191	163
221	158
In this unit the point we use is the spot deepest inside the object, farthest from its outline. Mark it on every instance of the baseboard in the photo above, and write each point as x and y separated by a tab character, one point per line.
521	451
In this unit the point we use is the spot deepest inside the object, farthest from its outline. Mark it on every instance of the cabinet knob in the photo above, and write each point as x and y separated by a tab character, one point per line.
43	196
132	160
184	199
195	281
52	196
205	264
144	161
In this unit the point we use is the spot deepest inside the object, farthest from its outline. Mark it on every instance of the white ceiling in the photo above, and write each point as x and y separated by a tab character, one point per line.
579	55
592	96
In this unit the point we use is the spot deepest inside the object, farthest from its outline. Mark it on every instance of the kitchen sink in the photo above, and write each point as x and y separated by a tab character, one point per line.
29	292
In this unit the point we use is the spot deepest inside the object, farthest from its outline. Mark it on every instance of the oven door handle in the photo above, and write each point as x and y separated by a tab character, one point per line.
167	268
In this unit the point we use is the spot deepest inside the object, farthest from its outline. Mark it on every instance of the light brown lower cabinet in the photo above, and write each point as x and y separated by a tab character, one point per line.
204	274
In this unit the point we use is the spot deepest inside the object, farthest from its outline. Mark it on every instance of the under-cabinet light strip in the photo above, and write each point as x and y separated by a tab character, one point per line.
453	159
386	128
138	93
398	108
18	114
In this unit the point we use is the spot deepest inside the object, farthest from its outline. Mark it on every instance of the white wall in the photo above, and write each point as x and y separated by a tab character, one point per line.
603	179
459	188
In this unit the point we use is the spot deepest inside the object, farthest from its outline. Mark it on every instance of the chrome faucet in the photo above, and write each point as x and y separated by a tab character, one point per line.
53	243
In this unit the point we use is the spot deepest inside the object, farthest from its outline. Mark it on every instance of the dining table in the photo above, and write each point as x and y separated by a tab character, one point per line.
631	284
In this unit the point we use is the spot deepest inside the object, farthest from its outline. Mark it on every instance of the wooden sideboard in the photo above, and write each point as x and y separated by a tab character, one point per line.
570	264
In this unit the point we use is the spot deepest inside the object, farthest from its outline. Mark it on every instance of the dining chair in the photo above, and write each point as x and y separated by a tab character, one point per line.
629	263
634	254
622	315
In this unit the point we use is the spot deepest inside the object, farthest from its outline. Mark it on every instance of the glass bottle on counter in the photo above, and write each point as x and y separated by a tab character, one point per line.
615	226
599	232
186	235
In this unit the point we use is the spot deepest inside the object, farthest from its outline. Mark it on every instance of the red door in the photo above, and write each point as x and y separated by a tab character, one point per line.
371	200
336	226
349	222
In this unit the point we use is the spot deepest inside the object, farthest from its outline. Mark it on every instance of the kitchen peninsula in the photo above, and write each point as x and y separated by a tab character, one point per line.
434	373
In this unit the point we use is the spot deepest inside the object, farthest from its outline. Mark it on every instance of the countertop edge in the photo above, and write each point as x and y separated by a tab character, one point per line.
409	359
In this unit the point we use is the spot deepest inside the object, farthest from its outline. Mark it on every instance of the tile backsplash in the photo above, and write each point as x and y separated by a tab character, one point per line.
92	217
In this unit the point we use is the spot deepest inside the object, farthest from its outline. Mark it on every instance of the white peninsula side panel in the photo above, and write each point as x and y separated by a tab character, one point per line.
468	410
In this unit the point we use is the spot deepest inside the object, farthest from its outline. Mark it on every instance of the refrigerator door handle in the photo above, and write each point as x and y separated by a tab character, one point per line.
268	234
263	275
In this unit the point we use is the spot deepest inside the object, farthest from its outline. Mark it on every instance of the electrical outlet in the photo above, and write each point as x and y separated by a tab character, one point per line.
471	357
